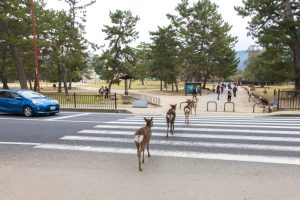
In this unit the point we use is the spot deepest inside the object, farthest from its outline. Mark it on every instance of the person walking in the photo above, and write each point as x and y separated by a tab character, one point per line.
194	93
234	90
101	91
106	92
218	91
229	95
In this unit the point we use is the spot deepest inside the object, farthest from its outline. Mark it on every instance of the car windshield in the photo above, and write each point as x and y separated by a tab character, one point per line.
31	94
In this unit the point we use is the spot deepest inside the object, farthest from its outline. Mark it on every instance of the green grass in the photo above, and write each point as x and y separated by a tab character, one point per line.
270	90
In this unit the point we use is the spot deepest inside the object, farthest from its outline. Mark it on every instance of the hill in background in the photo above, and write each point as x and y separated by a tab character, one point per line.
243	57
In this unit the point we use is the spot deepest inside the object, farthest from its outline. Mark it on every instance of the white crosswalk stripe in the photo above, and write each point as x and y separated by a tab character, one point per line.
252	139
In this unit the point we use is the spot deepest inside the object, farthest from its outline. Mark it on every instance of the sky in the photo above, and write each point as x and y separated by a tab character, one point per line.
152	14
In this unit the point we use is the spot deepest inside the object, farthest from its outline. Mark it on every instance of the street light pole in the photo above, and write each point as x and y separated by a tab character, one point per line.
36	60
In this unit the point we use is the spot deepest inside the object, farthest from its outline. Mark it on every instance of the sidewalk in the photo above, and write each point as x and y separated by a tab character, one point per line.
242	106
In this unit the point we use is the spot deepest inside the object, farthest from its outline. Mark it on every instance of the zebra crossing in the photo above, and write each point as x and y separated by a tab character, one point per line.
234	138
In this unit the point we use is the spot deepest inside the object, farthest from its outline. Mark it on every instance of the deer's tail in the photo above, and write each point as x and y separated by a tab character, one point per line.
138	138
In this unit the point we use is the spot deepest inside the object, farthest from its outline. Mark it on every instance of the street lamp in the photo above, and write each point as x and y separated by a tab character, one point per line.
36	60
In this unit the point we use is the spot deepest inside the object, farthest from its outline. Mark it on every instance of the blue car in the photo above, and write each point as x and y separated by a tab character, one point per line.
27	102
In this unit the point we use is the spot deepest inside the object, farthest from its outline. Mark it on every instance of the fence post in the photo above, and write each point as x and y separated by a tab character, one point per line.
278	99
74	99
115	101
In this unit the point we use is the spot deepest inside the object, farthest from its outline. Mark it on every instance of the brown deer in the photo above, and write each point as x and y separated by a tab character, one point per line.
142	138
187	111
170	118
191	104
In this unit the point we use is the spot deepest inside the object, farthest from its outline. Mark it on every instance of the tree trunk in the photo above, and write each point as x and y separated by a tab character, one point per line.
176	86
295	45
165	85
129	87
110	84
70	85
59	78
17	59
204	82
172	87
296	55
65	77
161	83
2	71
142	81
30	84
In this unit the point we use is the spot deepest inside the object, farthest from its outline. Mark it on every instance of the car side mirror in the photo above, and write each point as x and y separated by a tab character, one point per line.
19	98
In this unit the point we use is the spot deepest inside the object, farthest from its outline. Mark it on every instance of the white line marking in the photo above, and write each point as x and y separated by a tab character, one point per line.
20	143
183	154
198	129
206	136
189	144
215	125
206	117
70	116
181	121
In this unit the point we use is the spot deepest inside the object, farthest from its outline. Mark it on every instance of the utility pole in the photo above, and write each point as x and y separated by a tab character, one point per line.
36	59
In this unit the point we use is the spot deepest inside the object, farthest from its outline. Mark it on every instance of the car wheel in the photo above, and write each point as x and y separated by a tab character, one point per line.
28	111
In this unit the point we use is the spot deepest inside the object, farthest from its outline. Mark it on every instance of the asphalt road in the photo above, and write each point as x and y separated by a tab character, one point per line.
91	156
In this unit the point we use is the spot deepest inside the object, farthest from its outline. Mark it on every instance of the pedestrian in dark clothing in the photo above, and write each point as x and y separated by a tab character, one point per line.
229	95
101	91
234	90
194	93
106	92
218	91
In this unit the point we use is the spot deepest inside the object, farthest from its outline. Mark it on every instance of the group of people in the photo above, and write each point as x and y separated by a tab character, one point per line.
104	91
231	90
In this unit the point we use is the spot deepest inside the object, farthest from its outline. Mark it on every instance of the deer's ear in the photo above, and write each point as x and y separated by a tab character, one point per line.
151	119
145	119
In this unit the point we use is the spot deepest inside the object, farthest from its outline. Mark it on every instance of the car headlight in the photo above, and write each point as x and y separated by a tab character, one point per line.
37	102
55	102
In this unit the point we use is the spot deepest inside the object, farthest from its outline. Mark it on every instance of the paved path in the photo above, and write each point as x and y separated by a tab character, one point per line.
241	104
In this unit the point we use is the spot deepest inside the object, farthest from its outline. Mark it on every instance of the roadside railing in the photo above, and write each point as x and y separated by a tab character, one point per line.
288	100
150	99
84	101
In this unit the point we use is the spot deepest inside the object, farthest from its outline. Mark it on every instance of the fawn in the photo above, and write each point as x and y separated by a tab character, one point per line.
186	111
142	138
170	118
191	104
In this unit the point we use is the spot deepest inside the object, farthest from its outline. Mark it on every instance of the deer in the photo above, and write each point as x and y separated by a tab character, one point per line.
191	104
142	138
170	119
186	111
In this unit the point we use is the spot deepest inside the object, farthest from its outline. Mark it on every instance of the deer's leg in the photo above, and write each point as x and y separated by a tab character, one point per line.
173	127
167	129
148	149
139	157
143	160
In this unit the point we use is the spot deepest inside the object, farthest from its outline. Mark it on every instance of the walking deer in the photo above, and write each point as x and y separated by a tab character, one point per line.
142	138
170	118
187	111
191	104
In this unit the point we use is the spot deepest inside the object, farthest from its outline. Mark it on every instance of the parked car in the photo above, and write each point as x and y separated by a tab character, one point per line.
27	102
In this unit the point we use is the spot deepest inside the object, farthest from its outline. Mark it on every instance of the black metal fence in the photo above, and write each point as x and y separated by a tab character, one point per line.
84	101
288	100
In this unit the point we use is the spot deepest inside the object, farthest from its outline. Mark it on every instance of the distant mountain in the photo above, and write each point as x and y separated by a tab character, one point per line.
242	56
